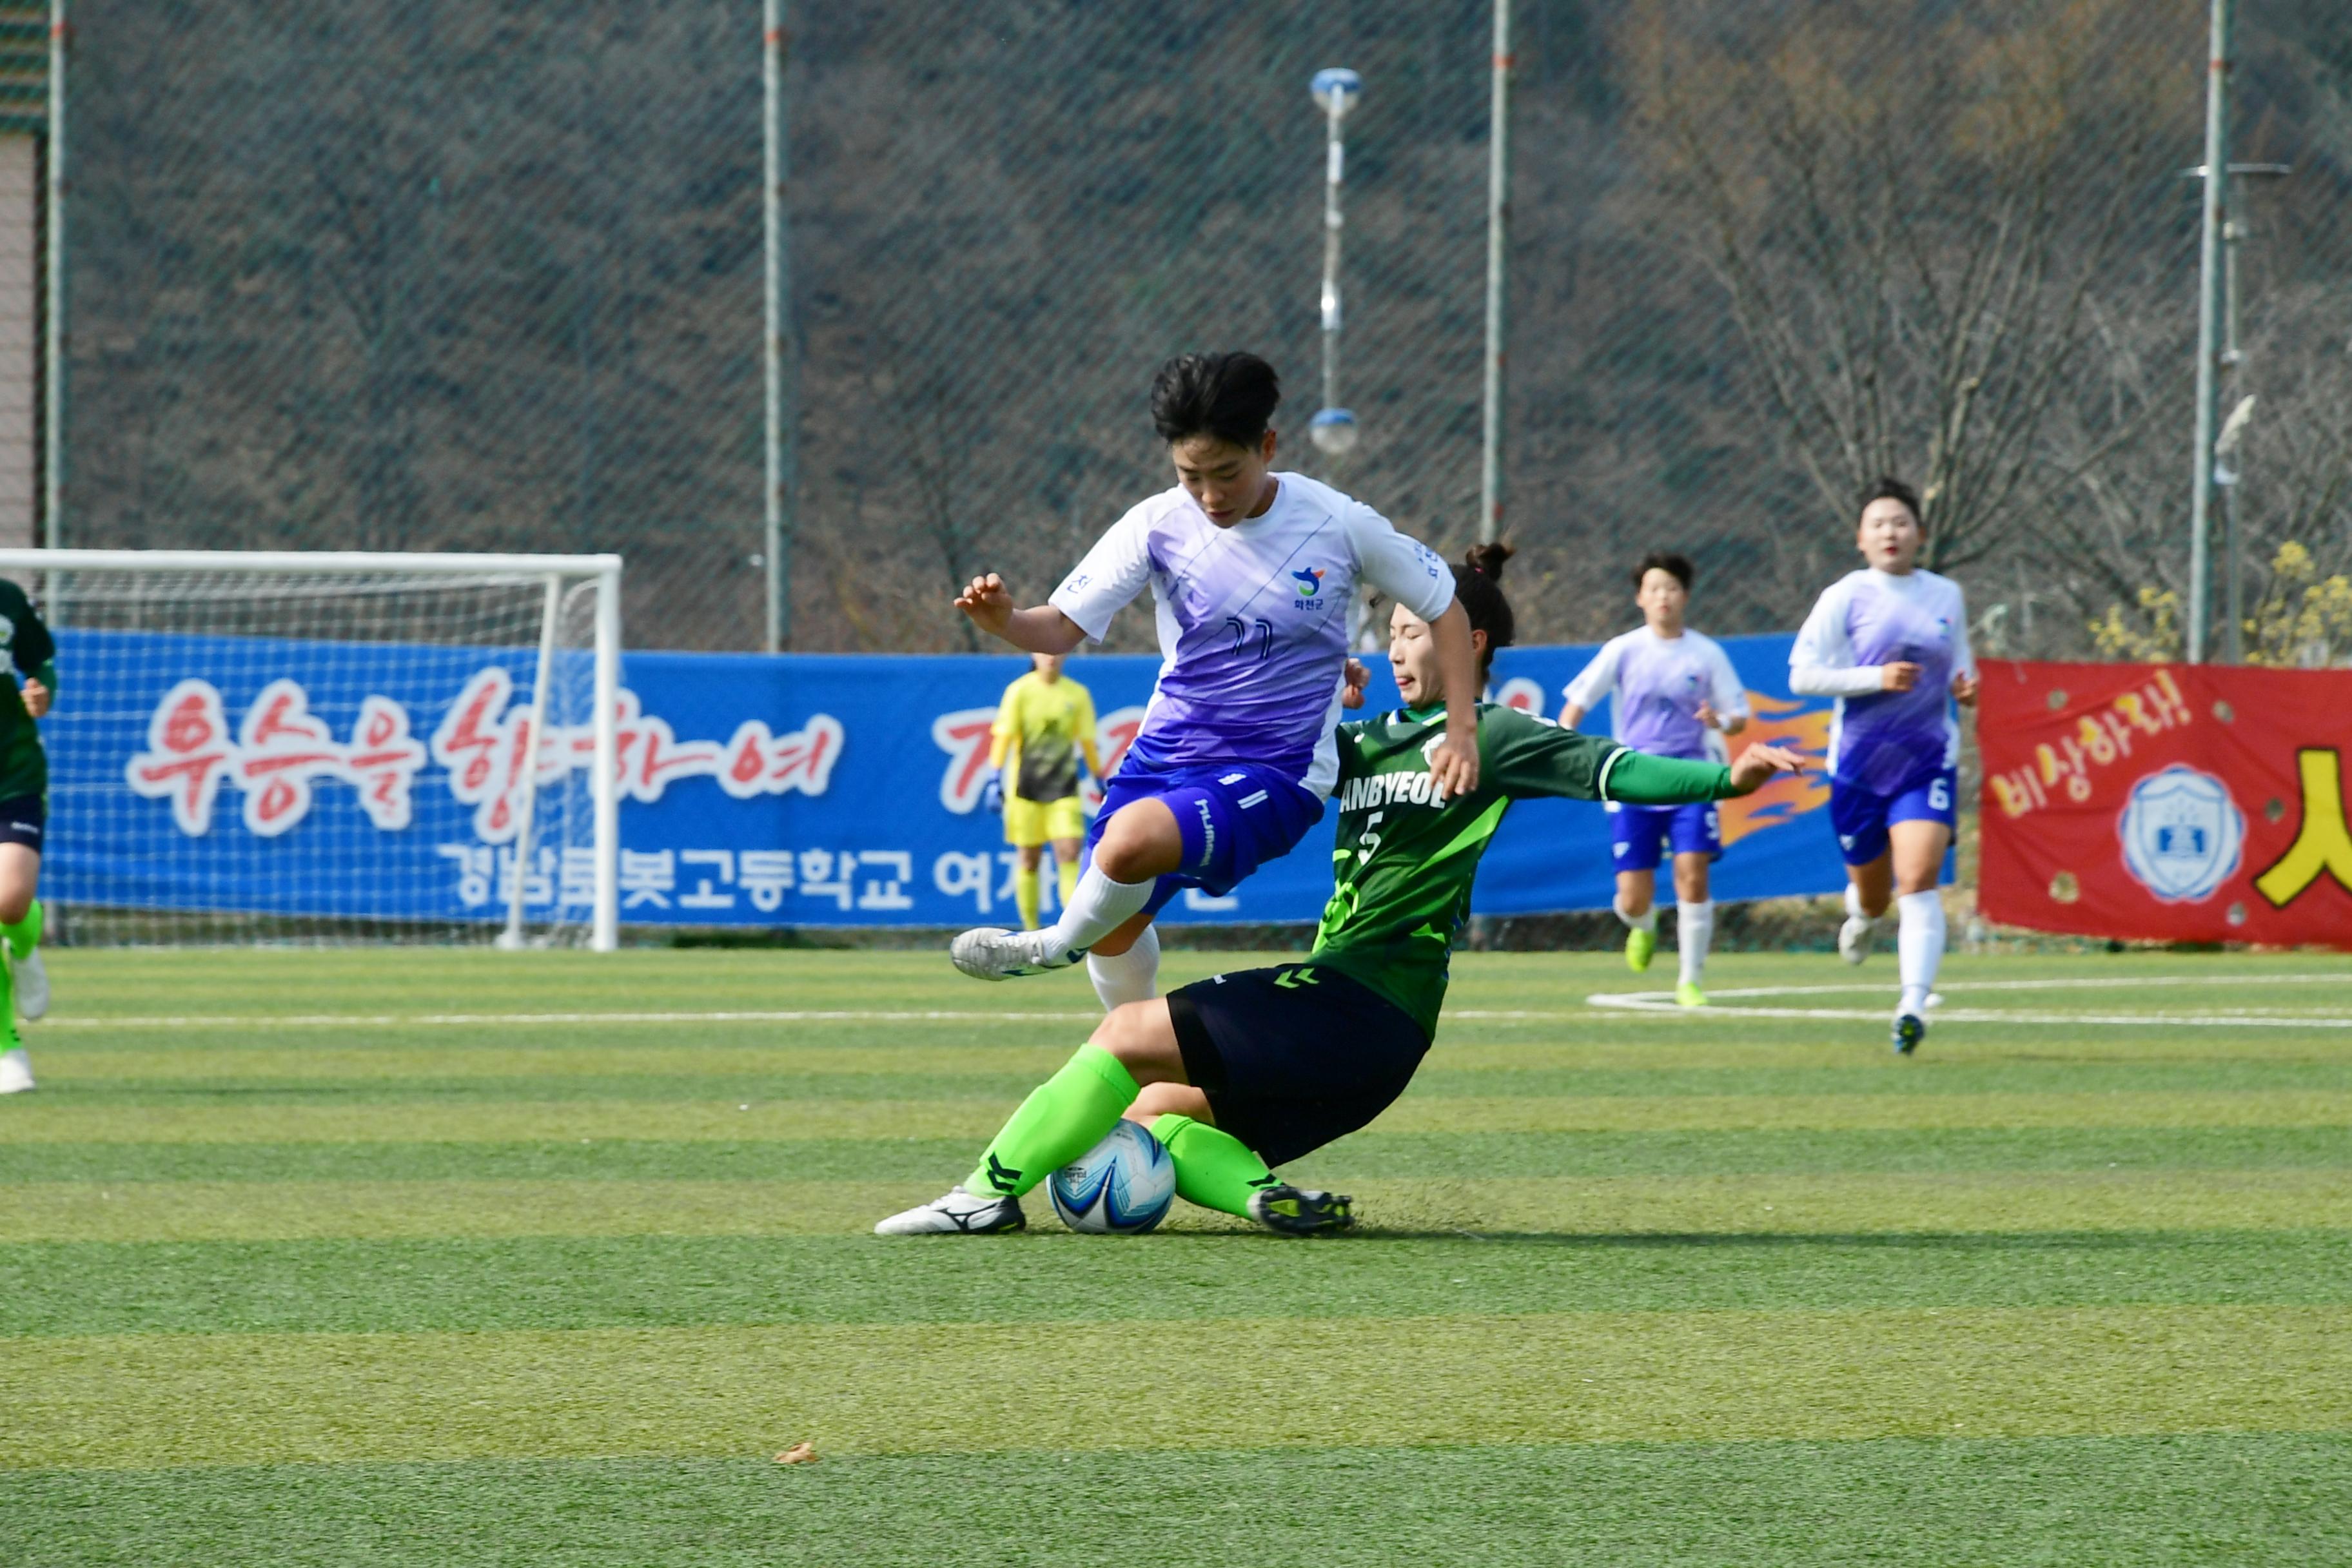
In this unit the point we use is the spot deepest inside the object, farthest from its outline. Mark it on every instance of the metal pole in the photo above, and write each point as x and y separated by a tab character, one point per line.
1498	253
777	434
2210	312
605	791
1335	165
1333	429
2233	632
527	812
53	414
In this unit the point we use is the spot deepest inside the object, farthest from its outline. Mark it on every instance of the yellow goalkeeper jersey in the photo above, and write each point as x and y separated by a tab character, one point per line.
1041	728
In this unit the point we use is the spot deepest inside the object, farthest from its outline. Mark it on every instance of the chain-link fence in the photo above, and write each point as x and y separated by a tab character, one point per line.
490	276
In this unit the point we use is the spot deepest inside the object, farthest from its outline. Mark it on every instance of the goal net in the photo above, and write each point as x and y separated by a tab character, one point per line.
297	746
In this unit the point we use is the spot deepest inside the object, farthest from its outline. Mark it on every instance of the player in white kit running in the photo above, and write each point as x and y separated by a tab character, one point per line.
1891	644
1252	574
1676	696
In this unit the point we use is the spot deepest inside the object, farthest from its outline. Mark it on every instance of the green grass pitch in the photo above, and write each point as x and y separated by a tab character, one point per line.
447	1258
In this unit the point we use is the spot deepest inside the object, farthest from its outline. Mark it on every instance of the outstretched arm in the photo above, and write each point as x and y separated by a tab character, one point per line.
1044	629
1640	779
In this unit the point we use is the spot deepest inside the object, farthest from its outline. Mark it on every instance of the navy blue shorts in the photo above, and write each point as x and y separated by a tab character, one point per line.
22	820
1294	1057
1233	818
1861	817
1639	835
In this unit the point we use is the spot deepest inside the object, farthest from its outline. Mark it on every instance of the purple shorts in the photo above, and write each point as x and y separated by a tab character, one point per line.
1639	835
1861	817
1233	818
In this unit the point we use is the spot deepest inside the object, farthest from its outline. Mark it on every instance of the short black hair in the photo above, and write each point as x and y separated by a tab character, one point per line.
1231	396
1479	589
1671	562
1890	488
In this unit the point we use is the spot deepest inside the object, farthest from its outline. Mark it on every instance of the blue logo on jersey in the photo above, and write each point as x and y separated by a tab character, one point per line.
1310	583
2181	834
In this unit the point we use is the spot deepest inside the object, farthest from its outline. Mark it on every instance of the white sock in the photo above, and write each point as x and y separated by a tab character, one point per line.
1694	932
1647	921
1132	976
1854	906
1920	942
1098	908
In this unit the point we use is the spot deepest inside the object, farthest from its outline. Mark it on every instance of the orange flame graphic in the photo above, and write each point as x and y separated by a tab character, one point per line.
1779	723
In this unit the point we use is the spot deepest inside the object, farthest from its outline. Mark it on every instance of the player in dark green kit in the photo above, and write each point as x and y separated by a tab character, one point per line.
24	816
1245	1071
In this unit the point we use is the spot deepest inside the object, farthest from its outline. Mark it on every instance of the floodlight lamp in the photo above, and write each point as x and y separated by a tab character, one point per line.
1334	432
1335	88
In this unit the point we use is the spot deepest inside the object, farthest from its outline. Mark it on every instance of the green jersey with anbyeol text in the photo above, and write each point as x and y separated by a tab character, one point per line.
1406	858
24	766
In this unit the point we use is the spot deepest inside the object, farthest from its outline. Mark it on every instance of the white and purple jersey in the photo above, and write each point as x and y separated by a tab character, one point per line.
1660	683
1252	620
1881	740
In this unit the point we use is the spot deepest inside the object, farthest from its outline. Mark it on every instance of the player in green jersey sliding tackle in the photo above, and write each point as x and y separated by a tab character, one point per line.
1245	1072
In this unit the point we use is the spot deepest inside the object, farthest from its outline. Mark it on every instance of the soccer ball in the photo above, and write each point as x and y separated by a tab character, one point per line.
1121	1186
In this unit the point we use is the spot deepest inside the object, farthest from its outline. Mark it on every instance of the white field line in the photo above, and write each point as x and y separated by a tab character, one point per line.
471	1020
1637	1002
1662	1002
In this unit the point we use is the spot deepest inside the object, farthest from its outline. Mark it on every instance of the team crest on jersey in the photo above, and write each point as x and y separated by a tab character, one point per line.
2182	834
1310	582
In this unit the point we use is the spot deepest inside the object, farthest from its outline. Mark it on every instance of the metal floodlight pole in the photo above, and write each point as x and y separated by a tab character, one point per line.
2211	310
777	434
53	413
1335	89
1498	252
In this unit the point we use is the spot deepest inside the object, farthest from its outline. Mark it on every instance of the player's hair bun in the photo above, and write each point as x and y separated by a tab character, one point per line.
1487	560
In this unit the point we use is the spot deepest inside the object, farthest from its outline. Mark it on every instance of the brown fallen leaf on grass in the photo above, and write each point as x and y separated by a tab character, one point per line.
798	1453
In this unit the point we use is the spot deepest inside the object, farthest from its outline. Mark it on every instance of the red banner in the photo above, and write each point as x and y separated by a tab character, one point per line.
2167	801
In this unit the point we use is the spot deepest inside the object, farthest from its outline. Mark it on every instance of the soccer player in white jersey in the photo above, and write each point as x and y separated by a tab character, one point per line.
1677	696
1891	644
1252	572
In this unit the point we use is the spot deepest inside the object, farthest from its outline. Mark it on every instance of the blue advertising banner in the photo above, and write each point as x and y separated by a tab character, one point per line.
386	780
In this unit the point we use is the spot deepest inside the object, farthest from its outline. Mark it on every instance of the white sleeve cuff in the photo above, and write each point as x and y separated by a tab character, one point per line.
1825	681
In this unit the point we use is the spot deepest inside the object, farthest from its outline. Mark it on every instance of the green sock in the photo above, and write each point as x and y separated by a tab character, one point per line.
26	934
1213	1168
1062	1118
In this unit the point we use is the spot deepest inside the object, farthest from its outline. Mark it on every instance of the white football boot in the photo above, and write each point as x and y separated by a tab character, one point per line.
992	953
16	1072
958	1213
32	981
1854	938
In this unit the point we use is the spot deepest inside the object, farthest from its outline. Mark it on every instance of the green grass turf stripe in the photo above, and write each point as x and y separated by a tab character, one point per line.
131	982
146	1400
1484	1155
1732	1205
571	1283
507	1121
2118	1502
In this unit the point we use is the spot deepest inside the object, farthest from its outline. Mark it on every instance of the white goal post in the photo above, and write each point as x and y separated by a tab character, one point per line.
472	696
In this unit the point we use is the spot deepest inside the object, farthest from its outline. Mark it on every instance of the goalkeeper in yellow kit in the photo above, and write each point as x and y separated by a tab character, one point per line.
1044	723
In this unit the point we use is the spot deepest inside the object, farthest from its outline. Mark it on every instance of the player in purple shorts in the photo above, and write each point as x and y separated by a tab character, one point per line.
1251	573
1891	644
1676	696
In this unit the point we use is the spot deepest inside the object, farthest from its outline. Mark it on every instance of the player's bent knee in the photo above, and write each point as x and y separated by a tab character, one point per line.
1143	1037
1159	1100
1142	841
